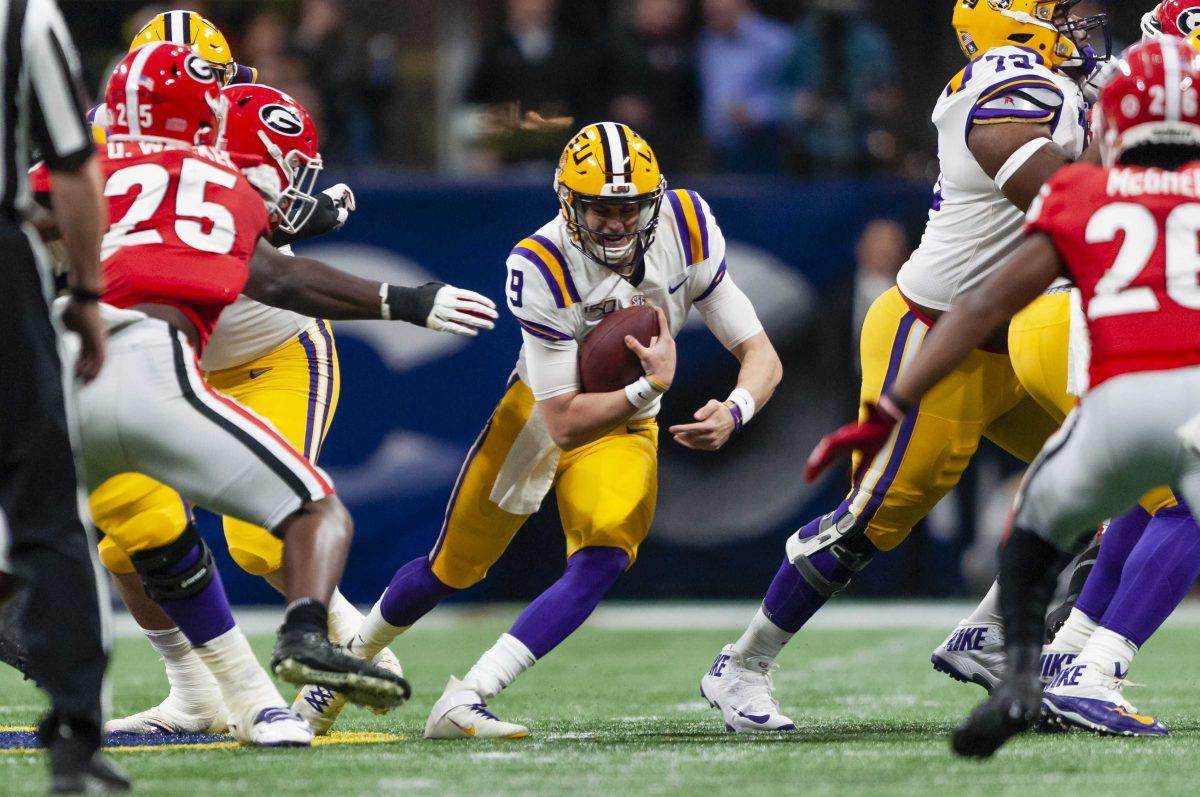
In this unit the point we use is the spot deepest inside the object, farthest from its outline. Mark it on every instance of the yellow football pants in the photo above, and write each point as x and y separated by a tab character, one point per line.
296	388
933	446
607	491
1038	342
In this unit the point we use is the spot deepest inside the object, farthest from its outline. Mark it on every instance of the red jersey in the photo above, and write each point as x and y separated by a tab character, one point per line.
183	224
1130	238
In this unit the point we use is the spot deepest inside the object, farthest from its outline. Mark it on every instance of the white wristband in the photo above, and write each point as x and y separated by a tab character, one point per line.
1017	160
644	392
385	312
741	398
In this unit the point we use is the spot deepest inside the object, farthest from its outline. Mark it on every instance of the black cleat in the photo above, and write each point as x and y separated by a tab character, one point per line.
308	657
1011	709
74	771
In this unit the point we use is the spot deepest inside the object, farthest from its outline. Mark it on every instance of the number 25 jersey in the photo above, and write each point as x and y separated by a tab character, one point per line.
183	224
972	226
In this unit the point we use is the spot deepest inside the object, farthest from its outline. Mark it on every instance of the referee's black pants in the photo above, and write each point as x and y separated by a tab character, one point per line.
51	551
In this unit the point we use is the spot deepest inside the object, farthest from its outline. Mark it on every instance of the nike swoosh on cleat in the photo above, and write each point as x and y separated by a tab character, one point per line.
469	730
1142	718
761	719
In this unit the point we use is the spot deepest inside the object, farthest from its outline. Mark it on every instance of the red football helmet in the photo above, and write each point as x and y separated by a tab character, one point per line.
1153	97
266	122
164	91
1177	17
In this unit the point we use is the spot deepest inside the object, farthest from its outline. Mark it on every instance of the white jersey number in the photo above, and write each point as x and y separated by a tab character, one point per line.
1115	294
152	181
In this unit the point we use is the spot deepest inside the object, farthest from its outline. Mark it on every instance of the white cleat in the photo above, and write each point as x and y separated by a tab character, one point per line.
1084	696
973	654
461	713
321	706
742	687
172	717
273	727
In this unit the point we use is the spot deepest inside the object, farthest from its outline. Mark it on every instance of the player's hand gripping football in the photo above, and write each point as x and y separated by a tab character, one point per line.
658	359
461	312
867	435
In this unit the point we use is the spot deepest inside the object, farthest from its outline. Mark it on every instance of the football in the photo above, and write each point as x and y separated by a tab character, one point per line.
605	362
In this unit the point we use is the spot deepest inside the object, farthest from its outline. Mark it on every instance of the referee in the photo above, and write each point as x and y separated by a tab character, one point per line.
64	619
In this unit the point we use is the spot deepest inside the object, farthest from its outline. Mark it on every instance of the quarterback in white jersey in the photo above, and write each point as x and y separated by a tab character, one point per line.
622	240
1006	123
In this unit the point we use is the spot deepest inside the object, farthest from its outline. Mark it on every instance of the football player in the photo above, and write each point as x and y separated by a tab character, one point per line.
279	363
247	469
622	239
1013	116
1122	602
1126	234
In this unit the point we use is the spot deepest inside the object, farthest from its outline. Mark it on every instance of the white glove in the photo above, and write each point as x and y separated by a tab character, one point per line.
343	200
461	312
1150	26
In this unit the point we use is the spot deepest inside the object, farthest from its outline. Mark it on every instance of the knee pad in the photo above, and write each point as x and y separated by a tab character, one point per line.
166	571
829	555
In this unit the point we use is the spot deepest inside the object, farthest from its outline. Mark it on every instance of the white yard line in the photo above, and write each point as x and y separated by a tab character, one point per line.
691	616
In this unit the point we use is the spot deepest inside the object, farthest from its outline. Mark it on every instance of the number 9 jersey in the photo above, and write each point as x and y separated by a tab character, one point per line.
183	224
972	225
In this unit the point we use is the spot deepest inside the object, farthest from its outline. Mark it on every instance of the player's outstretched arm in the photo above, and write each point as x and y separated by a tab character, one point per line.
575	419
716	421
314	288
1023	277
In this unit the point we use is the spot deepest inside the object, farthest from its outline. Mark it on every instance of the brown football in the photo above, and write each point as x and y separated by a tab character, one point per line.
605	362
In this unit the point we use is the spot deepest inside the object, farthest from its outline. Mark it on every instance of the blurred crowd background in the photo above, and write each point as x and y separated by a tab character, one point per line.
796	87
804	123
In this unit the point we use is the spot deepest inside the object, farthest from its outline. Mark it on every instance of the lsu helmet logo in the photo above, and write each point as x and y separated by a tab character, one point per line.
281	119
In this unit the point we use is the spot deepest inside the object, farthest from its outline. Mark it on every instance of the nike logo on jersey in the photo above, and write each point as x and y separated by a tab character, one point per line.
674	288
255	373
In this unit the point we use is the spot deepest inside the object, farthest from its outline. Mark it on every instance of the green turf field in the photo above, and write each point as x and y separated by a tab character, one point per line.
617	712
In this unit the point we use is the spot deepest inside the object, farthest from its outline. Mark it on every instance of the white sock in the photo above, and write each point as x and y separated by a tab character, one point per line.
344	619
192	686
499	666
373	635
244	684
1075	633
988	610
1108	652
762	638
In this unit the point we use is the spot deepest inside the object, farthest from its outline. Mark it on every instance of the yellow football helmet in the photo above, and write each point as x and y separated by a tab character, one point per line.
188	27
1046	27
607	164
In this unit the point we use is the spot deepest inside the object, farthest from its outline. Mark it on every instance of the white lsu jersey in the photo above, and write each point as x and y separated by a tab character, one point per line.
559	295
972	225
248	330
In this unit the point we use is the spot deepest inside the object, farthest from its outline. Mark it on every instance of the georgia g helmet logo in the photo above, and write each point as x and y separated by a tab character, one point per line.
1188	20
281	119
200	69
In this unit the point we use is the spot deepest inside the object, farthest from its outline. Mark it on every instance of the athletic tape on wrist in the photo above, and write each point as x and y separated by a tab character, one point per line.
644	392
741	404
385	312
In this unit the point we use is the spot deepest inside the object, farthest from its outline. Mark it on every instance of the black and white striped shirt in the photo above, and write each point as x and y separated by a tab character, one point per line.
41	98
